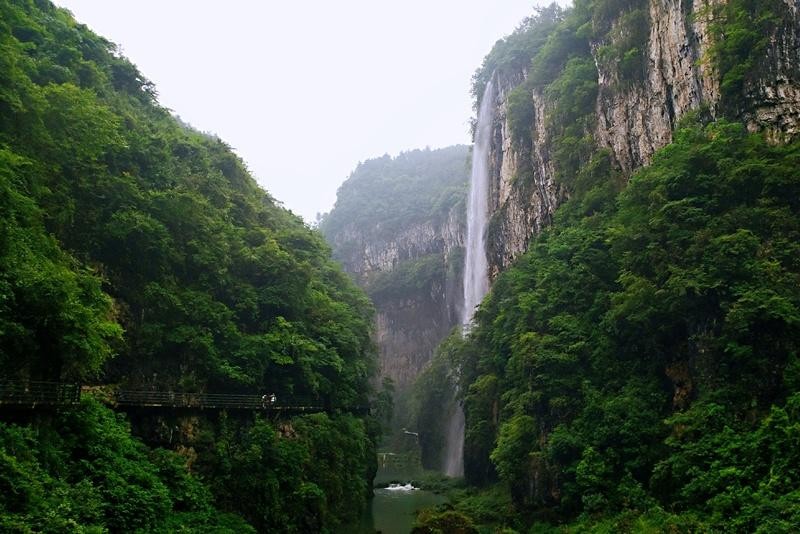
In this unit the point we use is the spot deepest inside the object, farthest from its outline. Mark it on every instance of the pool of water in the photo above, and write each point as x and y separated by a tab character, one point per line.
394	508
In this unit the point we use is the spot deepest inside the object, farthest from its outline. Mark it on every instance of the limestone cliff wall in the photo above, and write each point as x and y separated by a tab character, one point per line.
410	321
633	120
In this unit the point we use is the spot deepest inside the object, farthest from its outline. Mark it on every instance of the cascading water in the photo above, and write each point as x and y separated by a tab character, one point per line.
476	276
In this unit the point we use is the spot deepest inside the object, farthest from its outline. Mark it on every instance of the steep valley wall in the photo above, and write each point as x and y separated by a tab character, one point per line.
631	113
633	116
412	315
398	229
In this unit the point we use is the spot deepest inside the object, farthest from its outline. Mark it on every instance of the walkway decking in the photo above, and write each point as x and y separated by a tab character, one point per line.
33	394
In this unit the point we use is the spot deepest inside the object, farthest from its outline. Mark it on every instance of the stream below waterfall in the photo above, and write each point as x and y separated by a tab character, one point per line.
392	509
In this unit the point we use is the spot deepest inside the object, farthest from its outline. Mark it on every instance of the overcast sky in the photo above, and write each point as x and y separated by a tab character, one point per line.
304	90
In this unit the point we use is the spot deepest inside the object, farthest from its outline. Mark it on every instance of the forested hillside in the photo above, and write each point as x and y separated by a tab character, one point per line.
384	196
135	251
636	369
398	228
642	357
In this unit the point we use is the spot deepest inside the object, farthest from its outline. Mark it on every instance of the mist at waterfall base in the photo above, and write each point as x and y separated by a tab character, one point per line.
476	267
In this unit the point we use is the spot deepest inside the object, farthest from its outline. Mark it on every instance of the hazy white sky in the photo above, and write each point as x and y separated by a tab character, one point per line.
304	90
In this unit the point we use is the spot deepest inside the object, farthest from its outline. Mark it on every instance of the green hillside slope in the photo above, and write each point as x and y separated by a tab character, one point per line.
137	251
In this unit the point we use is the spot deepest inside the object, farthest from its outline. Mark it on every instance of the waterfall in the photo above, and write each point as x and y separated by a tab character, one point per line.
454	459
476	268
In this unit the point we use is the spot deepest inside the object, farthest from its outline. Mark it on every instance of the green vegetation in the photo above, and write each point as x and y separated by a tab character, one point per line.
307	475
627	41
515	52
54	316
472	510
135	250
643	356
553	49
407	278
574	93
434	393
83	472
410	208
637	369
386	194
206	272
450	521
742	30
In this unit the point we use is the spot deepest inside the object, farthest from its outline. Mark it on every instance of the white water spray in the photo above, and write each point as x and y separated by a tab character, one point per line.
476	268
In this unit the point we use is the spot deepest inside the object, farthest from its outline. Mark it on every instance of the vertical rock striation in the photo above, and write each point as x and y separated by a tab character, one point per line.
398	229
635	117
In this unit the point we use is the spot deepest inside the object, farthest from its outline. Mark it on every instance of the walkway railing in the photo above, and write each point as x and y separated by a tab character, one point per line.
35	393
171	399
32	394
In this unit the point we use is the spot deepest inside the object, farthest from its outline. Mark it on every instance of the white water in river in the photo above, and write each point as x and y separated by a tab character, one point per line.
476	268
401	487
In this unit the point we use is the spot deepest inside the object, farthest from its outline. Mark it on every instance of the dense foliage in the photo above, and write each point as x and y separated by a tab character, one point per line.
213	283
83	472
138	251
408	278
386	197
515	52
434	398
743	31
307	475
644	354
54	317
637	368
386	194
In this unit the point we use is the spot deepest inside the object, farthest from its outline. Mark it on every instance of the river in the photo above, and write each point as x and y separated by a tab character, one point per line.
393	509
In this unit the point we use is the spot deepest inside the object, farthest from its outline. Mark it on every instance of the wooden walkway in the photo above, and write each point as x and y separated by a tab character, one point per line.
211	401
32	395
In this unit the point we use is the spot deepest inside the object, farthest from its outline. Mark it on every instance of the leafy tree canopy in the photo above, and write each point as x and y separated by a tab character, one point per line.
386	194
644	354
135	250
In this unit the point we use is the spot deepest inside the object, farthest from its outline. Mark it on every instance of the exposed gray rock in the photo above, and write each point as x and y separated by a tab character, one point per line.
634	120
408	328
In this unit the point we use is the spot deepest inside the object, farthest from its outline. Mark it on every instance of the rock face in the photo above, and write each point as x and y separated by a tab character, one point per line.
398	228
412	319
632	117
633	120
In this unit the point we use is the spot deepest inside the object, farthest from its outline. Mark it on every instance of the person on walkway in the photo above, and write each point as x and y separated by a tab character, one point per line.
268	400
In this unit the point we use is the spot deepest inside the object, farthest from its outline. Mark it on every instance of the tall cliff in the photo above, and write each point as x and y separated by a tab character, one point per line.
633	70
635	365
398	228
